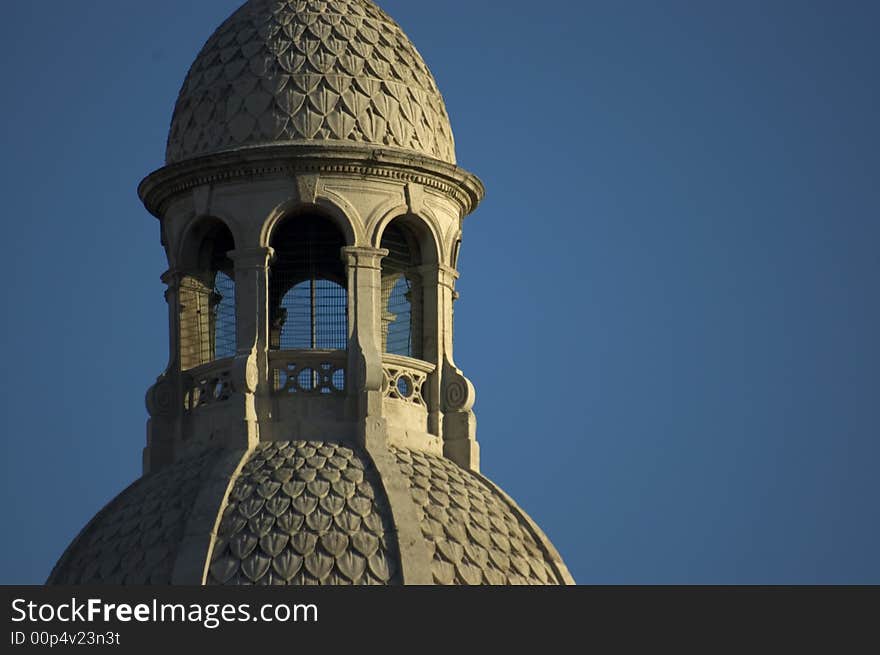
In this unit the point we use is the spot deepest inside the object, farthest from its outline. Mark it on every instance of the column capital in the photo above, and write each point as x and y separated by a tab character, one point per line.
251	257
439	274
364	257
172	277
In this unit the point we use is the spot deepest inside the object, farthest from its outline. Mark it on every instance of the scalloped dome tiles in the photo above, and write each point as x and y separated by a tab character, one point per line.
309	71
306	513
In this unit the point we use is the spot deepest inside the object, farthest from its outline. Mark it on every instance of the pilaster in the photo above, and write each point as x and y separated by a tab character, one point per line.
364	383
252	297
457	394
164	400
434	330
251	367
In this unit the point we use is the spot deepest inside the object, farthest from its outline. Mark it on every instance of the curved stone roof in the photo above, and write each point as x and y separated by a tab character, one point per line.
135	539
309	71
305	512
473	535
310	512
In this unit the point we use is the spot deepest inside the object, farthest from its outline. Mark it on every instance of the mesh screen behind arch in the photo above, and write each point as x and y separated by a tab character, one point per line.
308	297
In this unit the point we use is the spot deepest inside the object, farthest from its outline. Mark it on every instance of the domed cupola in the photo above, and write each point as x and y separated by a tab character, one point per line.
339	71
311	425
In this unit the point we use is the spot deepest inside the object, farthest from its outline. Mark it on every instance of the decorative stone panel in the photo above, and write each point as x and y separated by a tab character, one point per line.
209	384
404	378
305	513
307	372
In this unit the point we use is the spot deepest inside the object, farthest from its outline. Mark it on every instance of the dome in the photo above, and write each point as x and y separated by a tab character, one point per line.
311	72
306	512
313	110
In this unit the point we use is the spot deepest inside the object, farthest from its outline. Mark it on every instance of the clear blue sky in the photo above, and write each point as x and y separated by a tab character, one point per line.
669	297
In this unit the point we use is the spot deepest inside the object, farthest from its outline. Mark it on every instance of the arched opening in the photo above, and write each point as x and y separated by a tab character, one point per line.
402	295
308	300
207	295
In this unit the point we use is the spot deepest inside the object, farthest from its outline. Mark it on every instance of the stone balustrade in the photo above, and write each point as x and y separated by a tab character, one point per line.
207	384
307	371
404	378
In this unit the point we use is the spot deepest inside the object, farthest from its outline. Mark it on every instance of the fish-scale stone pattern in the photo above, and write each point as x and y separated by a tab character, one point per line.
309	71
305	513
473	535
135	539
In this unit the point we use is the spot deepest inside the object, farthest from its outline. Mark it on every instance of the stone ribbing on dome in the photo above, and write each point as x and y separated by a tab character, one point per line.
305	513
309	71
309	513
473	535
136	538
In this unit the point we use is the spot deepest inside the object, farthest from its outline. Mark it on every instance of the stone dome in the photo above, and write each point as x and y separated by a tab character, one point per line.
306	512
302	106
312	72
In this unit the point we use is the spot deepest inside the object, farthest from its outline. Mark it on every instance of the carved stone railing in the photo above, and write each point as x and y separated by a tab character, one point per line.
404	378
207	384
307	371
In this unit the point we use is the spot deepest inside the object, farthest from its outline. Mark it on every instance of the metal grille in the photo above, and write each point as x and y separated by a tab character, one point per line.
398	313
224	316
315	316
307	293
207	320
207	296
401	295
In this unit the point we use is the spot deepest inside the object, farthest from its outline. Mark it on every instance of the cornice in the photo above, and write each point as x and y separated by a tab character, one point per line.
288	160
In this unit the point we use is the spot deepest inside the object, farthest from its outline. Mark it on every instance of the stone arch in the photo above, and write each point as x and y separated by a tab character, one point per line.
195	228
456	249
342	214
423	228
308	286
407	284
206	293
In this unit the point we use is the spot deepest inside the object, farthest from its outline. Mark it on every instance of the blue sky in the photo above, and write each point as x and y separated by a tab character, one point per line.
669	298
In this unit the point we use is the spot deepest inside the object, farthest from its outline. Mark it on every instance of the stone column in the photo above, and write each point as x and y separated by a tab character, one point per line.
164	399
364	376
457	394
195	345
173	278
433	278
364	382
251	297
250	371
